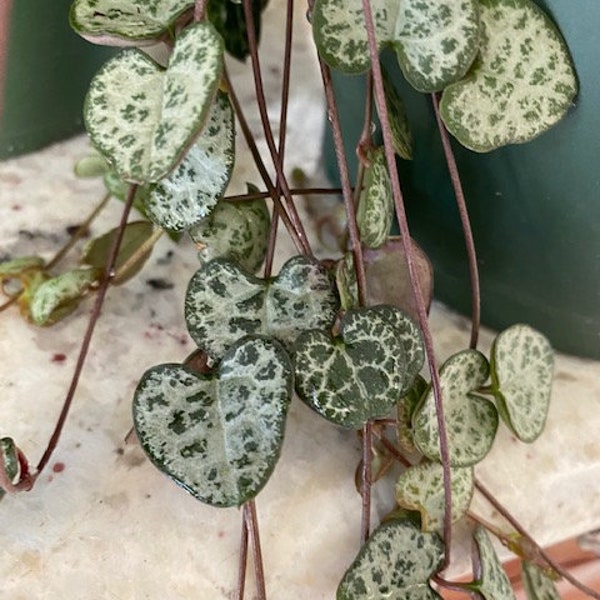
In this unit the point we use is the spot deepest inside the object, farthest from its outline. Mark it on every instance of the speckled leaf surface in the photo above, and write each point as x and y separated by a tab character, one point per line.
224	302
218	436
491	580
471	421
402	138
120	22
404	411
360	374
522	363
141	117
537	585
97	251
235	230
396	563
376	204
192	189
10	461
421	488
522	83
435	40
57	297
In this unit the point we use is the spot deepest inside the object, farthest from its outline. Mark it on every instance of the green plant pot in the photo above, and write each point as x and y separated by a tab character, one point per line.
47	69
535	207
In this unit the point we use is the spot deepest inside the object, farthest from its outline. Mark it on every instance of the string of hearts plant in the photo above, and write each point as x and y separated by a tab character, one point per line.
498	72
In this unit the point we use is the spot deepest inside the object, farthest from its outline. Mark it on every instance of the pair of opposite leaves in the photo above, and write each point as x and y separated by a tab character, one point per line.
219	435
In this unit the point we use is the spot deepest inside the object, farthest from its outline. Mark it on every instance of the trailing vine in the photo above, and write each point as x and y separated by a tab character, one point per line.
215	422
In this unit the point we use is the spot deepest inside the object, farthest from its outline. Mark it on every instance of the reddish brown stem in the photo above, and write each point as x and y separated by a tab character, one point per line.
85	344
241	585
317	191
5	10
408	251
199	10
253	532
466	224
367	478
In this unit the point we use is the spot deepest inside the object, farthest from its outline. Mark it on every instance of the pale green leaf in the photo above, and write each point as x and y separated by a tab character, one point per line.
471	421
126	22
435	40
97	251
143	118
491	580
375	210
218	436
421	487
93	165
537	585
17	266
235	230
361	374
522	83
192	189
396	563
55	298
522	363
223	303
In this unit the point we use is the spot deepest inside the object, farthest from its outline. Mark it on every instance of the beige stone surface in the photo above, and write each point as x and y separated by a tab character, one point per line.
102	522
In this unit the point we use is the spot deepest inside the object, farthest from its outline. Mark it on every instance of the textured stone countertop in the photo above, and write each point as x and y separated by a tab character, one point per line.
102	522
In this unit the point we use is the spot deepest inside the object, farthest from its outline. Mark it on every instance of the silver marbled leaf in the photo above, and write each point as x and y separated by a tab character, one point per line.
396	563
224	302
471	421
218	436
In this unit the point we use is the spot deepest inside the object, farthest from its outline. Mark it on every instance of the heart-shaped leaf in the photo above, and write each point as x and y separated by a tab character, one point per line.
235	230
471	421
537	585
435	40
522	83
396	562
136	234
59	296
224	303
192	189
490	579
376	204
360	375
421	488
522	364
126	22
141	117
218	436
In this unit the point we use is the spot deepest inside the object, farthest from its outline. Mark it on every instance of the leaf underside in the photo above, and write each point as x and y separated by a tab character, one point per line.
492	582
522	83
218	436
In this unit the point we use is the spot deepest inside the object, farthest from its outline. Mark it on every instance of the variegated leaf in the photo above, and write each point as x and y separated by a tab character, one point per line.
471	421
376	204
17	266
435	40
218	436
402	138
490	579
396	562
522	363
522	83
10	461
361	374
192	189
126	22
235	230
421	488
57	297
404	411
97	251
538	585
141	117
224	303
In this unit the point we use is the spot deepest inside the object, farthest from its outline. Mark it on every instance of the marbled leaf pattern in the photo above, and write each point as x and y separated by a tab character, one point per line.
522	83
396	563
491	582
537	585
471	421
522	363
141	117
218	436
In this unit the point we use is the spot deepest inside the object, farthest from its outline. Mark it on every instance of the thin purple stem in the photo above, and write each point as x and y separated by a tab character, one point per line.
241	585
466	224
406	242
253	530
85	344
